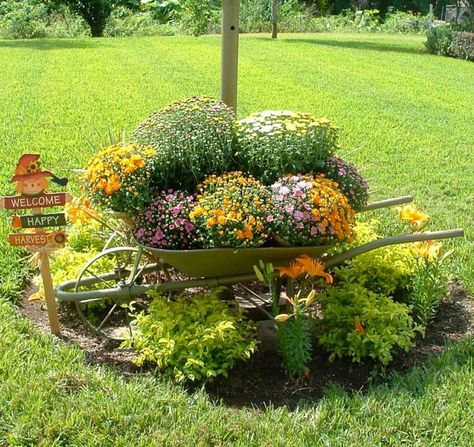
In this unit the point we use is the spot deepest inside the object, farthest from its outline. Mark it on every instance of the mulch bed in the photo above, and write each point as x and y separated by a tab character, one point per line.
261	380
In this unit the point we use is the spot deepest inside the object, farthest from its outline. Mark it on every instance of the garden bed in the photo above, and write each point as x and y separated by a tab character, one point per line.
261	380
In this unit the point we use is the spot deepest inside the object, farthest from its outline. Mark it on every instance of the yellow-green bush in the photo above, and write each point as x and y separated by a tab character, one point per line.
192	339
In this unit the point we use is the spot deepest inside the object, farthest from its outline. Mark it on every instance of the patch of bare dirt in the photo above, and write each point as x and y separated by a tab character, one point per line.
261	380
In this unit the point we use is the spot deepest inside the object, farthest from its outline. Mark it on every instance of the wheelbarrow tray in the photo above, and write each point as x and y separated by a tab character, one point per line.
218	262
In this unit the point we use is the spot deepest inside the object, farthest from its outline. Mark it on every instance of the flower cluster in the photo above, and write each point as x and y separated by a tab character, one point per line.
349	179
309	211
193	138
416	219
165	223
79	211
231	211
118	178
274	143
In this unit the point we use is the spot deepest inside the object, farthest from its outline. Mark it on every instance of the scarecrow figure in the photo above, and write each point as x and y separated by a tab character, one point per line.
31	180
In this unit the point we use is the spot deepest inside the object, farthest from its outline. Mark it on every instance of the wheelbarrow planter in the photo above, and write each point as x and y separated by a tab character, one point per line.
178	270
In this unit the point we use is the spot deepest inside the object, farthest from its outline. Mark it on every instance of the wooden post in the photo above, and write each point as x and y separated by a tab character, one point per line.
230	52
274	19
49	294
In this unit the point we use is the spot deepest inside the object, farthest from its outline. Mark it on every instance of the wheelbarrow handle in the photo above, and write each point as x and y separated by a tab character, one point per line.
407	238
387	202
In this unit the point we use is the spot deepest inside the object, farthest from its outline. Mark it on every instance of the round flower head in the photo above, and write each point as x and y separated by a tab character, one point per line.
275	142
165	223
118	178
192	138
349	180
231	211
309	211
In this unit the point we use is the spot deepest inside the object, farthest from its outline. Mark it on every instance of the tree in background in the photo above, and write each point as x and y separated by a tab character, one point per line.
94	12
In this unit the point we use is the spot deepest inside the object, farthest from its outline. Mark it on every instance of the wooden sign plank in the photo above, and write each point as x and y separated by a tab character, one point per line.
36	239
45	200
43	220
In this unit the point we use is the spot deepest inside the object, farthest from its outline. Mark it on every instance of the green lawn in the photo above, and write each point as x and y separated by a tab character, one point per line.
408	115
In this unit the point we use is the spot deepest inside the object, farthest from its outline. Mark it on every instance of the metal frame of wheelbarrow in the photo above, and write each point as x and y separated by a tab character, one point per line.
124	284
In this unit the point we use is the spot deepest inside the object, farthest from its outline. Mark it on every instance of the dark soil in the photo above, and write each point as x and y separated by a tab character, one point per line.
261	380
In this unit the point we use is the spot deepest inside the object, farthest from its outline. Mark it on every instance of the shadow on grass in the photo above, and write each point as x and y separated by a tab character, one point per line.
359	45
49	44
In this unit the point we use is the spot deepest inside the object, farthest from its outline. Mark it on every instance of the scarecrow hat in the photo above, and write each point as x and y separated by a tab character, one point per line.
29	168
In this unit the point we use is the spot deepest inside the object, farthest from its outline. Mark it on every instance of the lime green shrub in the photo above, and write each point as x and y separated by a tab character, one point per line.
193	138
192	339
387	270
278	142
360	324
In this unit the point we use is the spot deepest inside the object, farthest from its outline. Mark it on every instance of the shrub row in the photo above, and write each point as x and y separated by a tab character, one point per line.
33	19
447	41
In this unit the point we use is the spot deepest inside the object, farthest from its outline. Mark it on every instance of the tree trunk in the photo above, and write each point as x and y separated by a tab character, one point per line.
274	19
97	28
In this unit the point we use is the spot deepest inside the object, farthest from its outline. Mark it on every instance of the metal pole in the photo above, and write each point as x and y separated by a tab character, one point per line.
274	19
230	52
430	19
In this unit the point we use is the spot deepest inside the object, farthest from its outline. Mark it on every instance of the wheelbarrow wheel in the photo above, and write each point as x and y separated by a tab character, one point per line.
113	270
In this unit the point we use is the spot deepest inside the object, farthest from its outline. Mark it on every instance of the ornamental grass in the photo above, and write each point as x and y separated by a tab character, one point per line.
192	138
118	178
231	211
274	143
309	210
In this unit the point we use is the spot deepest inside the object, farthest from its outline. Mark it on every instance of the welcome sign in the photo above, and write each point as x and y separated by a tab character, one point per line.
31	183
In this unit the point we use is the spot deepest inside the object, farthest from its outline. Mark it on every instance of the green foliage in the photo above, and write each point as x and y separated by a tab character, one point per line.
462	45
193	138
360	324
94	12
52	394
23	19
40	371
439	40
64	23
192	339
273	143
451	40
428	286
404	22
294	341
387	271
125	22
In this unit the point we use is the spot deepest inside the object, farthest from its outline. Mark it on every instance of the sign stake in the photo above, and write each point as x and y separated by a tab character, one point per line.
49	294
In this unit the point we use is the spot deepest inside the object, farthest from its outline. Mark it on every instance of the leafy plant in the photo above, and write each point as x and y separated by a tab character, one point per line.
23	19
360	324
193	138
66	265
439	40
429	283
386	271
294	340
275	143
462	45
125	22
303	280
192	339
